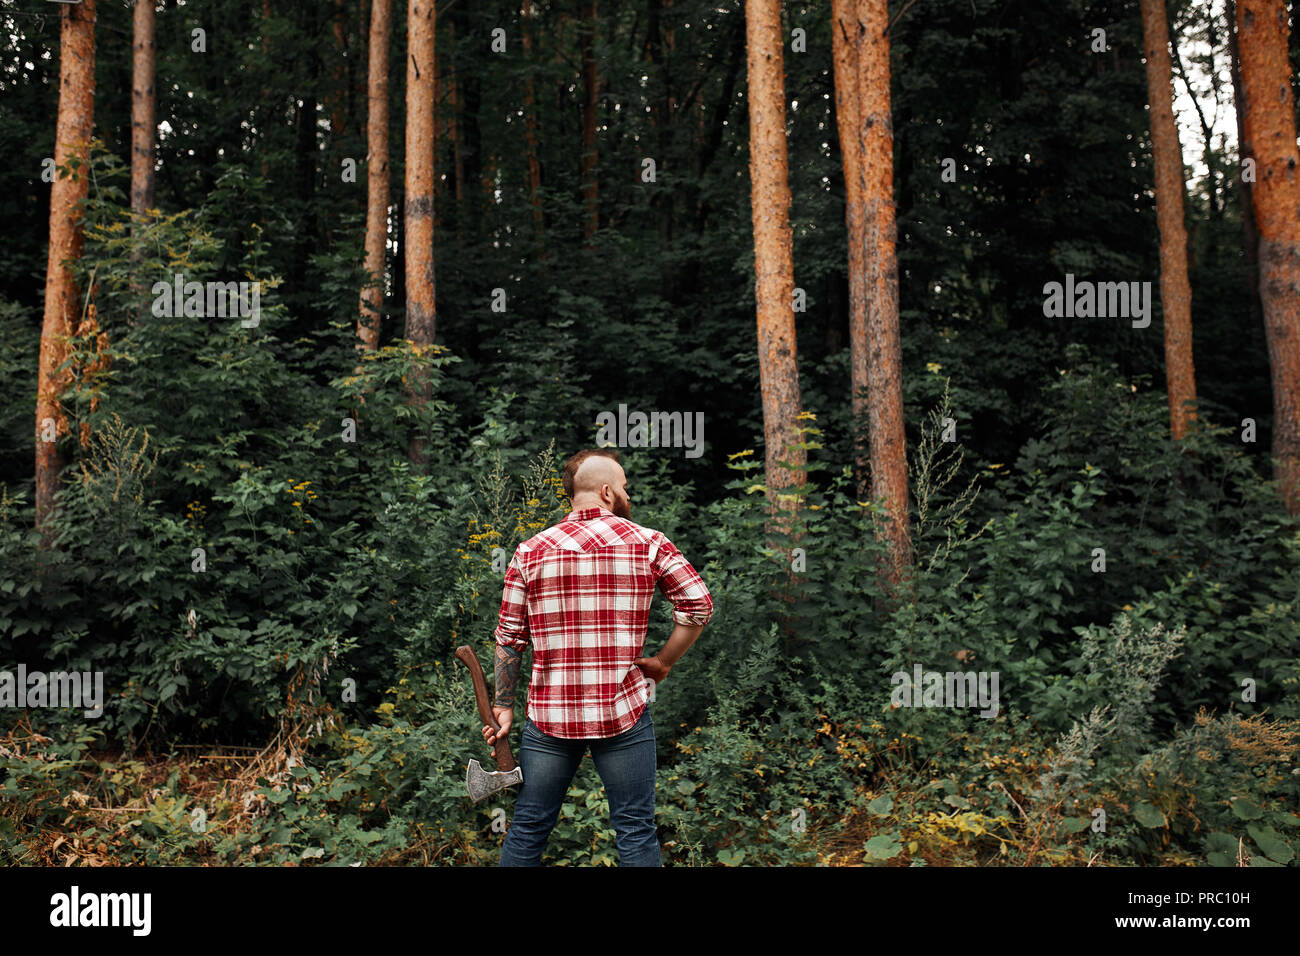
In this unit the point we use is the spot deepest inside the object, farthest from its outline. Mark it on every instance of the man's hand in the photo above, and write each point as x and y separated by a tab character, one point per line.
654	668
505	716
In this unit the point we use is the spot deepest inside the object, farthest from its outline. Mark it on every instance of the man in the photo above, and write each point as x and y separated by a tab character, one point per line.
580	593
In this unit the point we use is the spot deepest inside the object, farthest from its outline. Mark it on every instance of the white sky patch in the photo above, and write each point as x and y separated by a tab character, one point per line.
1221	117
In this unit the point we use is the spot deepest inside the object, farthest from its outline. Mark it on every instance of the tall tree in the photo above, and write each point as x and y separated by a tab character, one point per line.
773	252
74	127
1269	117
879	258
845	41
144	127
372	294
418	238
1167	157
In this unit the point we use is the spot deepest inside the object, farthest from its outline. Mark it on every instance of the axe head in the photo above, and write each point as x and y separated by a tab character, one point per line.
483	783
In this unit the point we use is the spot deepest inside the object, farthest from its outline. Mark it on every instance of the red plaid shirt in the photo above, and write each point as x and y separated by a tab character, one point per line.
580	592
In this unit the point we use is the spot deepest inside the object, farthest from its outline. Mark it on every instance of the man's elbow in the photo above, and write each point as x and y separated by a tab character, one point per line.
698	614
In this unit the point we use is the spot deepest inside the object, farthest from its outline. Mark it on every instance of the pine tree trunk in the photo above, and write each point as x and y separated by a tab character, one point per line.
1167	158
74	127
420	100
773	255
880	265
372	295
1269	117
845	42
144	126
144	132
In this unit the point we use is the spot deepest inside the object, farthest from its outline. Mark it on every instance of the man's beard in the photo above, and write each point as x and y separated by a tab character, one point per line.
623	510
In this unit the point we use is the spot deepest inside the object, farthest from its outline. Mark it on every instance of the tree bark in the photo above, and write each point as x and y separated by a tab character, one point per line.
875	151
74	127
377	192
144	126
420	104
144	133
1167	159
773	256
845	42
1269	117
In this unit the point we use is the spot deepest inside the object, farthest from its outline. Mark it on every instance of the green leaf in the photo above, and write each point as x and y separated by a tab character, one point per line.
883	846
1245	810
1148	816
1271	842
881	805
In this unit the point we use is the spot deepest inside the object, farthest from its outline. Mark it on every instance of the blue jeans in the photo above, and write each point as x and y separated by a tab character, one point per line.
626	764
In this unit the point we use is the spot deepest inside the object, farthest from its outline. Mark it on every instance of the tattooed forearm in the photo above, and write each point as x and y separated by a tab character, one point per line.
508	662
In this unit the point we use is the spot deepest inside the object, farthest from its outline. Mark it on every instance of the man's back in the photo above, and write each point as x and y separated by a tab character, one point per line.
580	592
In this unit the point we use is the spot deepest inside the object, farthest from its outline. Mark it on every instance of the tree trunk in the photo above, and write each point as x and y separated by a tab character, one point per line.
144	132
1249	235
1167	158
591	99
875	151
420	100
773	256
1269	116
845	43
144	126
74	127
372	294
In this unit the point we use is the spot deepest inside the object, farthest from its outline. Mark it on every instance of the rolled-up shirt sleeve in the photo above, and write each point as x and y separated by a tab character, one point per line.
680	584
512	623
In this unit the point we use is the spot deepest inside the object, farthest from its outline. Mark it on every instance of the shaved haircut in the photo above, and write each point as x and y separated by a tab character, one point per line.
595	476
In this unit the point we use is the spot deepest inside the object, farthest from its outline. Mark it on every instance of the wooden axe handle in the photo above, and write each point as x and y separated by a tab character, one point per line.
505	759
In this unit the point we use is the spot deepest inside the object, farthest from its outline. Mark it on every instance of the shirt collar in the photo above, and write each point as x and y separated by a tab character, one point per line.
587	514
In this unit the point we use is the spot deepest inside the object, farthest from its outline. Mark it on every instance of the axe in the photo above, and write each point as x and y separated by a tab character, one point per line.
483	783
